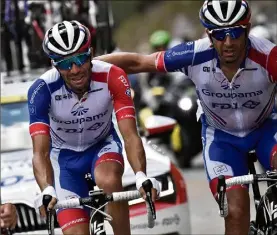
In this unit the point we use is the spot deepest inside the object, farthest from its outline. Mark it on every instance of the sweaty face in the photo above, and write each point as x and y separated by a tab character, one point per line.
78	76
230	49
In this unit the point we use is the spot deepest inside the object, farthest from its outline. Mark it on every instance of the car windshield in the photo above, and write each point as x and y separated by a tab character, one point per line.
13	113
15	127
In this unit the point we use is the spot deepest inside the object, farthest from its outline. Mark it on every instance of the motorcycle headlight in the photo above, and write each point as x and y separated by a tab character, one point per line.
185	103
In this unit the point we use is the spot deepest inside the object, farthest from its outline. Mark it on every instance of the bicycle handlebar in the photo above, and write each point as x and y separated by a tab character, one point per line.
244	179
114	197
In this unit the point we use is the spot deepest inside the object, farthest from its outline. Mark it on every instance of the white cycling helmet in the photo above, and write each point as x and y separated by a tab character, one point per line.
66	38
224	13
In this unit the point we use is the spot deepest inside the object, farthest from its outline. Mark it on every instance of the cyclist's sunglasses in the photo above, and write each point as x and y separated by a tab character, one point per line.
234	32
67	64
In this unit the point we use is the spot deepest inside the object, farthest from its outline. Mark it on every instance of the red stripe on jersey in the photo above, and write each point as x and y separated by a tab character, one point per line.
273	154
125	112
160	66
39	128
258	57
99	77
272	64
120	89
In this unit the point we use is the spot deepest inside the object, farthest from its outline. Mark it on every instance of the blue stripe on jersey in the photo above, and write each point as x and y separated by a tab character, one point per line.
54	86
204	56
39	100
179	57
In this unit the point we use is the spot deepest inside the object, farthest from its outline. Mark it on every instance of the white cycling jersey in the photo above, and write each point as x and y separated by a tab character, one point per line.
236	107
78	124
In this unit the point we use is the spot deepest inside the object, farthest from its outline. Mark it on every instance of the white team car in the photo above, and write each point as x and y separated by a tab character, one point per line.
18	184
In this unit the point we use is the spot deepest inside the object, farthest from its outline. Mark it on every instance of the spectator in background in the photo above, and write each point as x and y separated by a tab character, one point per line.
159	40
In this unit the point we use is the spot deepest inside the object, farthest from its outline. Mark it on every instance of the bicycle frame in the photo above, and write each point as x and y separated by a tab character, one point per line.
265	222
262	222
97	219
266	214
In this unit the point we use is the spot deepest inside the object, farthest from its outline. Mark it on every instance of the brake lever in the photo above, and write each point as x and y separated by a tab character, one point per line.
272	174
221	190
49	214
147	186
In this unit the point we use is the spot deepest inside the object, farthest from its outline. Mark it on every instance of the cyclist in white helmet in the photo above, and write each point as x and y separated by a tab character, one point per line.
70	109
235	76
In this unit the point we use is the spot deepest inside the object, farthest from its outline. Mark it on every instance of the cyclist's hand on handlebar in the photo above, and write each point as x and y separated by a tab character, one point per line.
39	200
155	191
50	206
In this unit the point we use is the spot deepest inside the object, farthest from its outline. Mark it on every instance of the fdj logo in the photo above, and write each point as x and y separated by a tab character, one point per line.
124	80
250	104
79	111
225	106
94	127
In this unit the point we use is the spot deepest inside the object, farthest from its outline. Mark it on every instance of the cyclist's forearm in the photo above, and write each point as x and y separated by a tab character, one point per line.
43	170
135	154
129	62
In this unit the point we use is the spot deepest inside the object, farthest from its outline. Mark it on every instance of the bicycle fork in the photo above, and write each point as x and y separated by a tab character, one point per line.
97	226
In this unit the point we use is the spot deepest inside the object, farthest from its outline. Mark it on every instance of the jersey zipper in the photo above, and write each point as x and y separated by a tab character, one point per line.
234	104
82	125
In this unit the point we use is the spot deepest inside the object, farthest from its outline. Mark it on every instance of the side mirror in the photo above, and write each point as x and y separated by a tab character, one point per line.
156	125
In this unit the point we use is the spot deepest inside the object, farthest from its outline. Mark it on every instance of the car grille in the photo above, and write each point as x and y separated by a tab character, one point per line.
29	220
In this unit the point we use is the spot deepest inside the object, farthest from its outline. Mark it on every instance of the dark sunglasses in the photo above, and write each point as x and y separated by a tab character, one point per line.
234	32
67	63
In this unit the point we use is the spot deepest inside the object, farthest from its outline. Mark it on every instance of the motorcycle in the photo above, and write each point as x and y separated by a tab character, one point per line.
174	95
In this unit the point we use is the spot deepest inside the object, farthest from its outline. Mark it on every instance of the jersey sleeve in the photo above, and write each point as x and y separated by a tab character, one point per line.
272	64
119	88
176	59
39	99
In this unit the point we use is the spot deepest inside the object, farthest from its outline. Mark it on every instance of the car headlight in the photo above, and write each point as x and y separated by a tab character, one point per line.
185	103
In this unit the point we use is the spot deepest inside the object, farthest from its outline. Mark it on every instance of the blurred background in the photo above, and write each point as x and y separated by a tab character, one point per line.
136	26
126	24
